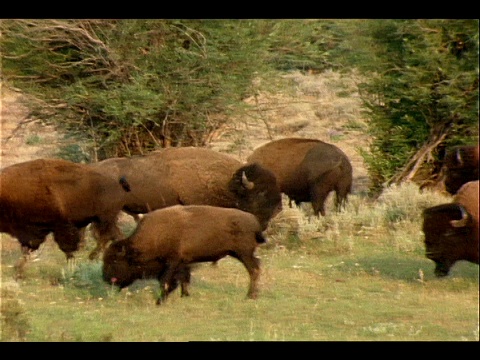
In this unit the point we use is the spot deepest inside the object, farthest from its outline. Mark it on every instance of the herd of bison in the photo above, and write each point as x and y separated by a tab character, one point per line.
196	205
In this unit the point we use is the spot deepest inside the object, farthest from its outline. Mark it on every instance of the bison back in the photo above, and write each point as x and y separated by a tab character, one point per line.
467	196
48	190
191	229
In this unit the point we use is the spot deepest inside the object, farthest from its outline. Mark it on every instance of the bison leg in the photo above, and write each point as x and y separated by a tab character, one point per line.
167	281
342	189
29	242
68	238
183	275
20	265
318	197
252	264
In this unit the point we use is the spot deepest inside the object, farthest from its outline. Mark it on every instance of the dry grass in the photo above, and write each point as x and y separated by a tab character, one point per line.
358	275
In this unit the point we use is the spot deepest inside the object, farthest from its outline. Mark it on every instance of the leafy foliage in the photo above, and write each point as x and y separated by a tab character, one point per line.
132	85
424	97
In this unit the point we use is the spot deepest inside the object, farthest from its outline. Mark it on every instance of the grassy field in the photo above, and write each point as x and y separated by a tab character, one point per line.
360	275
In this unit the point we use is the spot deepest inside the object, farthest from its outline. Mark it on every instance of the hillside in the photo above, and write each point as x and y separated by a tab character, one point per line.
312	108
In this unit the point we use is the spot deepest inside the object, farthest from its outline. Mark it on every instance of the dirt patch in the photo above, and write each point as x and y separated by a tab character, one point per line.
23	138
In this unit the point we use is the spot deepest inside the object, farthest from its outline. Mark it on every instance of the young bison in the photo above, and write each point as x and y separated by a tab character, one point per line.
168	240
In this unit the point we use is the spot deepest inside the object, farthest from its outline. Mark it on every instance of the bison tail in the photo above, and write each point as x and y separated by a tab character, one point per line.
260	238
125	185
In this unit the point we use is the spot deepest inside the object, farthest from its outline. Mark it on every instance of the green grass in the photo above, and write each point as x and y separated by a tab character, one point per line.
360	275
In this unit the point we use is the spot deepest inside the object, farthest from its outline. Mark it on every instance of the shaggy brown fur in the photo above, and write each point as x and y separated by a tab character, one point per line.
52	195
195	176
168	240
451	230
307	170
460	166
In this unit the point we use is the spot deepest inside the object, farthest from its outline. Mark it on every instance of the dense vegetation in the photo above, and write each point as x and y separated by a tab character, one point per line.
128	86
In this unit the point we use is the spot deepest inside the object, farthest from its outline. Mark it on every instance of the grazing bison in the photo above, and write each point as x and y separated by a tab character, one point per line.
307	170
195	176
167	241
51	195
460	166
451	230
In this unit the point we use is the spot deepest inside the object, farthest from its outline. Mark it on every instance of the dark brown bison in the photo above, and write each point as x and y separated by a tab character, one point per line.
451	230
307	170
45	196
167	241
195	176
460	166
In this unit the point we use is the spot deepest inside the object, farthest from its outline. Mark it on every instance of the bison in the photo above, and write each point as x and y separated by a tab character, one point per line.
307	170
166	241
451	230
460	166
56	196
195	176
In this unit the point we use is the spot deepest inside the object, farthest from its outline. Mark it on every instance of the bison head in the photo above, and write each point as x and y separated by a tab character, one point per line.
448	236
257	192
460	166
118	267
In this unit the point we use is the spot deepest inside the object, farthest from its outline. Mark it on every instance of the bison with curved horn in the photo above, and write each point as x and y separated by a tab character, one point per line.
195	176
56	196
167	241
451	230
307	170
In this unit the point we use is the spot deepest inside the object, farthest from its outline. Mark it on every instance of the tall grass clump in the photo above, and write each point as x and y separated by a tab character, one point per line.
394	220
14	322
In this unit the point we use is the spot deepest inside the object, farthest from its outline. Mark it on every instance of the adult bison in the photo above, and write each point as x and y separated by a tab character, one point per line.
307	170
195	176
167	241
451	230
45	196
460	166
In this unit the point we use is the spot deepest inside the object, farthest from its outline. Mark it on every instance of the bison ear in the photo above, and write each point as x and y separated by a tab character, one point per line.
246	183
459	157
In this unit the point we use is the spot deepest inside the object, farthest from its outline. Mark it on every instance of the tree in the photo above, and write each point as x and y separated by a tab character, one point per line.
133	85
423	97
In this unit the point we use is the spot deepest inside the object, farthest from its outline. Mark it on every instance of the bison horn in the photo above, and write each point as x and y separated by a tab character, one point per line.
459	157
248	184
463	221
123	252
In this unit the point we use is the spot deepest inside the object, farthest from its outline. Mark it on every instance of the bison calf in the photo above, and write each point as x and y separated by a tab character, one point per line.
451	230
167	241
